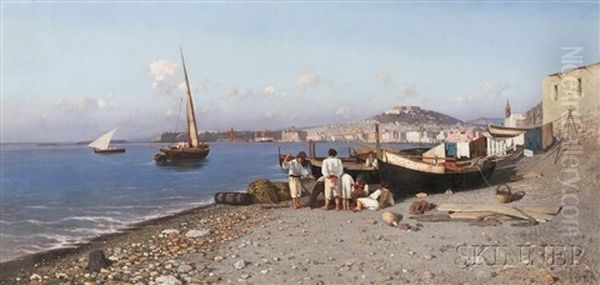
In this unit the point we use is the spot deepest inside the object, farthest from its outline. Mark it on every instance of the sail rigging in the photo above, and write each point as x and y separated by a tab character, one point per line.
103	141
191	116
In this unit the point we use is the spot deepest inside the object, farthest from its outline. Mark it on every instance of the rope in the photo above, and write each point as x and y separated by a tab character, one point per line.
178	115
483	176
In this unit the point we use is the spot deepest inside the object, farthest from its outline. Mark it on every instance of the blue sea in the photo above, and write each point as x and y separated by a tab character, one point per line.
58	196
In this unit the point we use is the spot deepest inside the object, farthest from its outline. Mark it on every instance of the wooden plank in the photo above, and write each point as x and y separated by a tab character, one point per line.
499	209
540	217
539	213
471	215
442	217
551	210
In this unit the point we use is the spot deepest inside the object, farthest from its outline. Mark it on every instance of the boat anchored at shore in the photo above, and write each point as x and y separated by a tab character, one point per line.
102	144
410	171
193	149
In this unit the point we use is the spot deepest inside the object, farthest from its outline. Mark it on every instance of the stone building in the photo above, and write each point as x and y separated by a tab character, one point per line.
293	135
577	89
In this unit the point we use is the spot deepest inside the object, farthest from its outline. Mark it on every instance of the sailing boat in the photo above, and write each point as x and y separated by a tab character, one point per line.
193	149
102	144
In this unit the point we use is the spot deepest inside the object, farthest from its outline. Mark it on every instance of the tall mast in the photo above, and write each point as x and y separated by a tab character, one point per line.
191	117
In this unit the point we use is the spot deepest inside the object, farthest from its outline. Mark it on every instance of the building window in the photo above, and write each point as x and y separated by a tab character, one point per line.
556	92
579	87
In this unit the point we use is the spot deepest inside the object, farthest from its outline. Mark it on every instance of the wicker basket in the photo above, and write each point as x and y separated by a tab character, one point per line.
503	193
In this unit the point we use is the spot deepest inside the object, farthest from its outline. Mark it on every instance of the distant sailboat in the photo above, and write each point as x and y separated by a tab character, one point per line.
102	144
193	149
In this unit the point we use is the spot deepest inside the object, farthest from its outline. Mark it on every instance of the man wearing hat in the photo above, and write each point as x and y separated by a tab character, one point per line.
295	172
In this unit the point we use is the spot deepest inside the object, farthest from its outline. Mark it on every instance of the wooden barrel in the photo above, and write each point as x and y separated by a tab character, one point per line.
233	198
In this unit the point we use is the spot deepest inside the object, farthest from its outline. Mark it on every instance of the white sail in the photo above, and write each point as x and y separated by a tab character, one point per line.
191	117
103	141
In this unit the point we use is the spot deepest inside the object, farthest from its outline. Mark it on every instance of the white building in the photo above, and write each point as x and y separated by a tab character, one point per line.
514	120
413	136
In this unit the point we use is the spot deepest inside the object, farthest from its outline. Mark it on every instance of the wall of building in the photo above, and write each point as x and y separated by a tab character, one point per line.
579	88
534	116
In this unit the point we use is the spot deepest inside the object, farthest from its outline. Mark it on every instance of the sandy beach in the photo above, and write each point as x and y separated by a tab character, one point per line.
278	245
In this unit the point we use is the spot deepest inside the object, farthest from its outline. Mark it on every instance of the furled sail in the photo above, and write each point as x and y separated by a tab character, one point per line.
191	116
103	141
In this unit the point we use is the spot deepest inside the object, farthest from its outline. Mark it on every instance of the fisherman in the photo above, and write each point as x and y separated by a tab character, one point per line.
332	169
347	189
361	189
371	161
296	171
379	199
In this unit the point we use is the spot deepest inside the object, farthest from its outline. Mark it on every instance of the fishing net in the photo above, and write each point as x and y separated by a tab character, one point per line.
263	191
282	190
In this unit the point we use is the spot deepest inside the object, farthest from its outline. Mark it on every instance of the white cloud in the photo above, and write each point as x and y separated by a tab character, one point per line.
308	79
342	111
182	87
384	78
85	103
495	89
163	73
407	90
466	99
233	92
270	90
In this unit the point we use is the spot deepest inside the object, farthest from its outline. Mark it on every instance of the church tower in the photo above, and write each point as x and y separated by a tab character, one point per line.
507	110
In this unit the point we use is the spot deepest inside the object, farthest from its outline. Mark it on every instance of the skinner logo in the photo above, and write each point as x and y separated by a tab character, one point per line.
492	255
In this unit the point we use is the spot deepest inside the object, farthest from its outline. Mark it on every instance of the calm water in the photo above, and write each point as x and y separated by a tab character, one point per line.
58	196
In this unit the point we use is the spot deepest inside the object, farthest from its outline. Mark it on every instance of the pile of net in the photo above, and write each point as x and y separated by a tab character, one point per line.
265	191
283	190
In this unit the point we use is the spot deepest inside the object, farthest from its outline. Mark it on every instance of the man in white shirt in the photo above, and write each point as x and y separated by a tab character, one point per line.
332	169
371	161
295	172
379	199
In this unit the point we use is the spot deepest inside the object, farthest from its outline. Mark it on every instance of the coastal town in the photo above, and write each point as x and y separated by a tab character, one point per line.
307	143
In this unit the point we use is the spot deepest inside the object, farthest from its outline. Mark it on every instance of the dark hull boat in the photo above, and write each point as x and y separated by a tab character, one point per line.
175	153
406	174
191	151
352	166
109	151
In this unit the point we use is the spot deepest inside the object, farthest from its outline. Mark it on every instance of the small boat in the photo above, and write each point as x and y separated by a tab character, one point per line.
505	132
352	165
193	149
406	172
265	139
102	144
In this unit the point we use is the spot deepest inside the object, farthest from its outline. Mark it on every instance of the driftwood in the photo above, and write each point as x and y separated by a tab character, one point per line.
442	217
533	214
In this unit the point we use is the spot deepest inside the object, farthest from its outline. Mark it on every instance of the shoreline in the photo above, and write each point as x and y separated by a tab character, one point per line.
126	228
19	267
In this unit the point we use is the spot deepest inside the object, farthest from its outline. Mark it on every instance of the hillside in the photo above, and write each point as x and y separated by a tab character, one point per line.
484	121
414	115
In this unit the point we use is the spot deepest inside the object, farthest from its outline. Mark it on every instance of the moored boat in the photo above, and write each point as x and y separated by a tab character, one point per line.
352	165
505	132
193	149
405	172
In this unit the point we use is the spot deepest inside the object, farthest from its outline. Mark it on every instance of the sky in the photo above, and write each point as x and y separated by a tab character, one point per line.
71	71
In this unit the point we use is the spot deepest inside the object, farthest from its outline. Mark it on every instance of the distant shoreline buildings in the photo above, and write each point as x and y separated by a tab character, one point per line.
414	125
